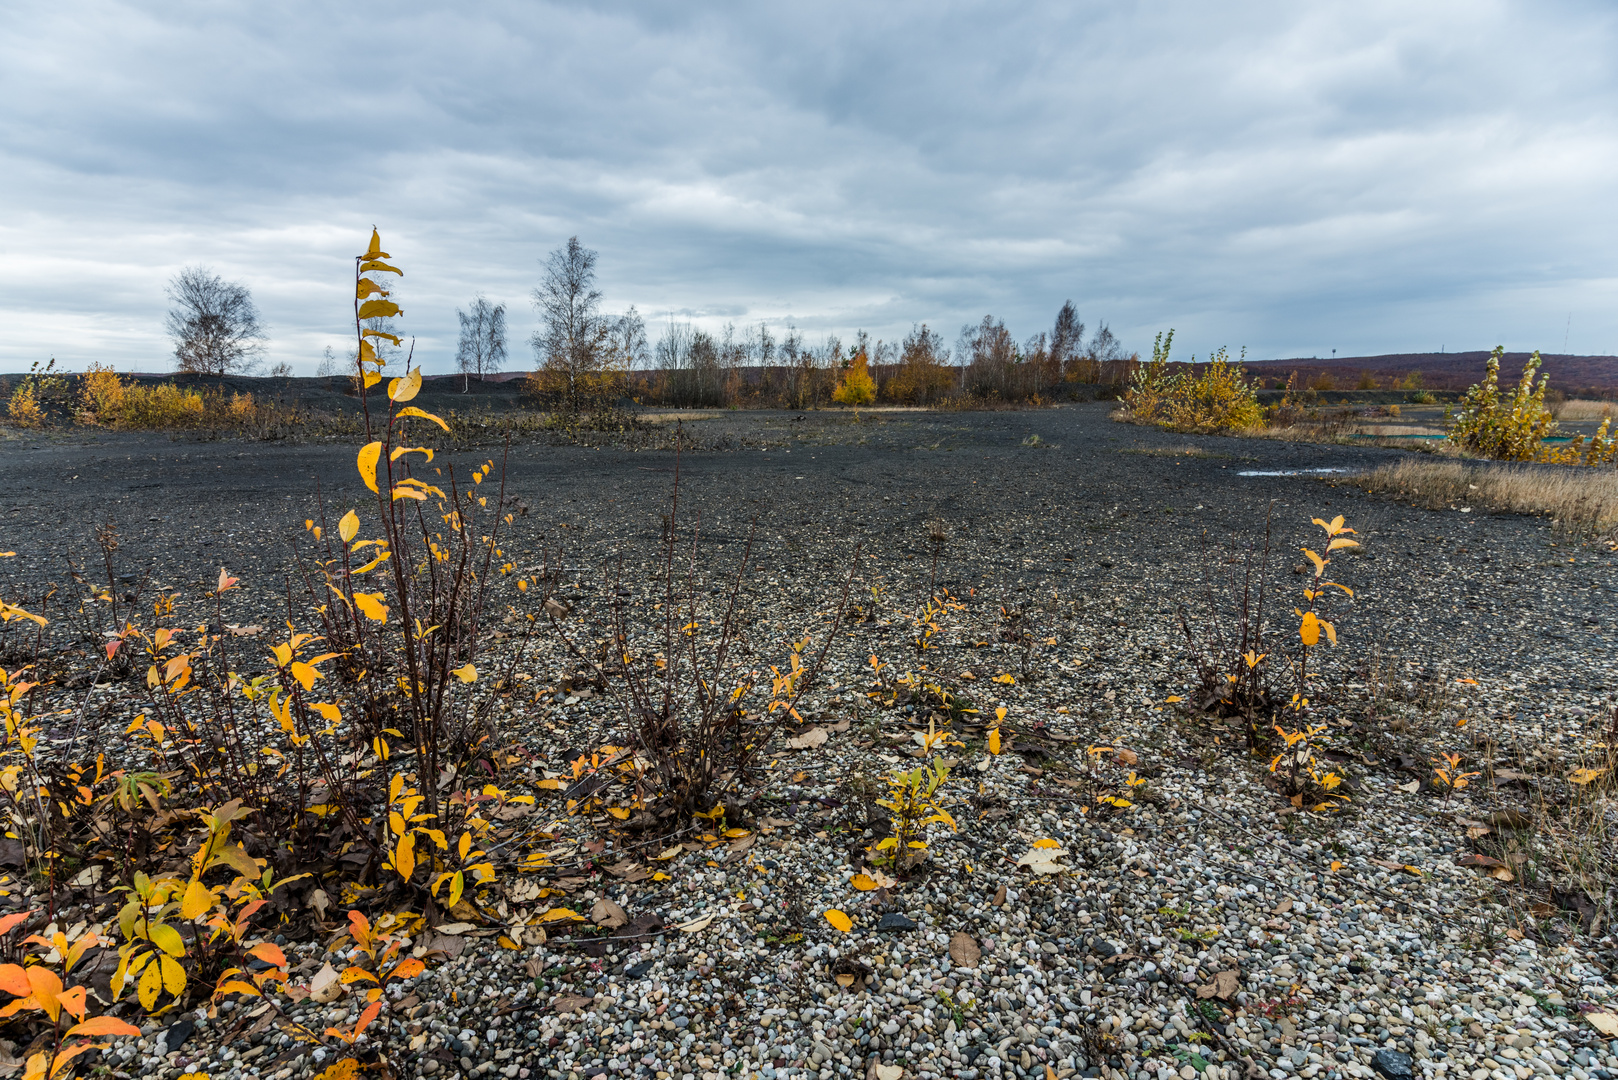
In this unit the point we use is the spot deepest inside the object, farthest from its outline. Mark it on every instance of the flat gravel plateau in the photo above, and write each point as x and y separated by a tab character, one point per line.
1209	929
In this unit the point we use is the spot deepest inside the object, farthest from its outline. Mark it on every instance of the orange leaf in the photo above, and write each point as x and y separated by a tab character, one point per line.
270	953
104	1025
839	920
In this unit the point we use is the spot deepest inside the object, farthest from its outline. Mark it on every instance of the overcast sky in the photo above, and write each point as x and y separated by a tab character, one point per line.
1365	176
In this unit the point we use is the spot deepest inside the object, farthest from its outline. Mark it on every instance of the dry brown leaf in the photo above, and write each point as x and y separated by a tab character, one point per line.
1410	788
845	980
608	914
808	740
1501	873
1126	757
964	951
1282	908
534	967
1604	1022
1045	860
1000	896
570	1003
698	924
324	987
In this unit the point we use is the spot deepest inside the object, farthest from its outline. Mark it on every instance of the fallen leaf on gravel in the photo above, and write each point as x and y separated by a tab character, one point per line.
983	766
325	987
1480	861
698	924
569	1003
463	927
1282	908
808	740
1126	757
1044	860
999	896
1410	788
1604	1022
245	631
559	913
889	1072
862	882
1224	985
839	920
1585	776
964	951
534	968
1386	865
845	980
1510	819
608	914
1501	873
668	854
628	871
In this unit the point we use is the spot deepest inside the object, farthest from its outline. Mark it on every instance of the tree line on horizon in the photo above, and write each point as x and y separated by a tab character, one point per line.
583	353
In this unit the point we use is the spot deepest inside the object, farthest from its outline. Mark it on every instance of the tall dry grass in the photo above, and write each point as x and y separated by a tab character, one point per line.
1579	410
1579	500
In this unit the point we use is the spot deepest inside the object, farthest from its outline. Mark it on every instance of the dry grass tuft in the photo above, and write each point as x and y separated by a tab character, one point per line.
1581	501
1581	411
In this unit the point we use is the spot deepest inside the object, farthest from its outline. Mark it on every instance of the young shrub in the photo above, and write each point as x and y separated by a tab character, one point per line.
1220	399
856	386
102	395
23	409
164	407
1512	429
913	803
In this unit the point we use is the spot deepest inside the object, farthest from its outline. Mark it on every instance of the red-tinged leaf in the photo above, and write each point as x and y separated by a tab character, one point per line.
236	986
65	1057
10	922
367	1016
270	953
408	969
104	1025
14	981
73	1003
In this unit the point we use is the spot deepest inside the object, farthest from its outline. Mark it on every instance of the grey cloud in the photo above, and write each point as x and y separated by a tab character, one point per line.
1374	177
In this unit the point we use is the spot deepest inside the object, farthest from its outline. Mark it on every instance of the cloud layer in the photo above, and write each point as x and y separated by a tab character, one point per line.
1370	177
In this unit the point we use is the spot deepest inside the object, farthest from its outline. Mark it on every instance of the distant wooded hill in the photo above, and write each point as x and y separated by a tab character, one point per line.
1572	375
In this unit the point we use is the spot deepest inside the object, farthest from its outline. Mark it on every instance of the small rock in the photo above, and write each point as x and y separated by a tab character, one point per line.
1392	1064
896	921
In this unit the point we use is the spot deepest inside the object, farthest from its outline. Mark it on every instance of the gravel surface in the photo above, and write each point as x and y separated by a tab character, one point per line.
1209	928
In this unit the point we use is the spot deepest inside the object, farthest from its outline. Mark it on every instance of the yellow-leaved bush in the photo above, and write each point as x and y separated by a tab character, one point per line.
1515	428
1219	399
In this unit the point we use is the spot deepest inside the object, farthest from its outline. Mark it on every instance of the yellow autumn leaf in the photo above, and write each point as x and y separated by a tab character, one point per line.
862	882
383	333
411	410
371	606
379	309
1000	714
1172	699
1310	630
994	741
560	914
618	812
369	455
198	900
507	943
1004	678
1046	843
466	673
1320	564
1585	776
375	250
375	264
402	390
839	920
305	674
365	287
404	856
1341	542
349	526
150	985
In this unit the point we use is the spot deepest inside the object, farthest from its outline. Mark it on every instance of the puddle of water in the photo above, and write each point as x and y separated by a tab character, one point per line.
1289	472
